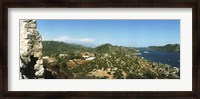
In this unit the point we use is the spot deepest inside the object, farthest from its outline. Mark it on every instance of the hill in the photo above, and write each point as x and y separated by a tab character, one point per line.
106	62
54	48
106	48
168	47
114	62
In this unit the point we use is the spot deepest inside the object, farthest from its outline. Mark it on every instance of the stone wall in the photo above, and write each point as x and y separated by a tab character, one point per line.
31	62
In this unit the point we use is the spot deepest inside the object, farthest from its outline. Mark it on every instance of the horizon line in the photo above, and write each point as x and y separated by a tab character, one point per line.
96	45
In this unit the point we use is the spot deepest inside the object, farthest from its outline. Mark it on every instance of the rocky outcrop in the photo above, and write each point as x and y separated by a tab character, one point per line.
31	62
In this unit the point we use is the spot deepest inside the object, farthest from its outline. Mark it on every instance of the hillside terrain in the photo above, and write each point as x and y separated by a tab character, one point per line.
168	47
53	48
71	61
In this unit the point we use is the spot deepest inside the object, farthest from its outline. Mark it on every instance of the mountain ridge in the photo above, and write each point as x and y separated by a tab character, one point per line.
109	62
167	47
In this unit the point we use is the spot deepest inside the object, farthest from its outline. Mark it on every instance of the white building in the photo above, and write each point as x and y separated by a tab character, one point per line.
90	58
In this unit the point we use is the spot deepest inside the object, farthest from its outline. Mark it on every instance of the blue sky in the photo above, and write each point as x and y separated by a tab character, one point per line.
130	33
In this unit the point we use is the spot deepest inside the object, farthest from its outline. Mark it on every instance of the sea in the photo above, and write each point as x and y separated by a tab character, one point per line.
165	57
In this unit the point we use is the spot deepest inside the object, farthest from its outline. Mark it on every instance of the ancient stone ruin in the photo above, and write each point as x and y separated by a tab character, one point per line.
31	62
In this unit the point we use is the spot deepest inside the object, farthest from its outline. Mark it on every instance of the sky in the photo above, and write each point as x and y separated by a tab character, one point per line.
129	33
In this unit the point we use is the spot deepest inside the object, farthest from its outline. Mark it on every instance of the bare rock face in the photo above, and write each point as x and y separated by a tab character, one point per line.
31	62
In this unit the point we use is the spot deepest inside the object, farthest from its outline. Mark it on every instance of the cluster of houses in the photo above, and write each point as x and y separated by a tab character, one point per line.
86	57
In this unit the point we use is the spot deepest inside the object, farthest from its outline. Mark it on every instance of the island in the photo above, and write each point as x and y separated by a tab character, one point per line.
168	47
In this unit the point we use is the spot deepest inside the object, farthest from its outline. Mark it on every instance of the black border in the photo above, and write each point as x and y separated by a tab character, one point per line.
5	4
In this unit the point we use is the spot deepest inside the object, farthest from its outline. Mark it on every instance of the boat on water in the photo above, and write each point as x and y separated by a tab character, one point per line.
145	52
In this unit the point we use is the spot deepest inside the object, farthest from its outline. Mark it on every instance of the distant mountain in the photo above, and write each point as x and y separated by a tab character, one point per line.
55	47
106	48
168	47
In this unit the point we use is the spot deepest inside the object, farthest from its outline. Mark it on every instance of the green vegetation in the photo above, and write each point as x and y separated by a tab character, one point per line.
53	48
105	48
113	62
168	47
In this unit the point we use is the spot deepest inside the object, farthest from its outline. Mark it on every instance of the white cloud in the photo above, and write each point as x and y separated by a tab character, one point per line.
74	40
62	38
45	36
87	40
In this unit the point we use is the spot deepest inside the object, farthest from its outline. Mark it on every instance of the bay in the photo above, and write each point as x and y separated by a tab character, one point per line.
170	58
